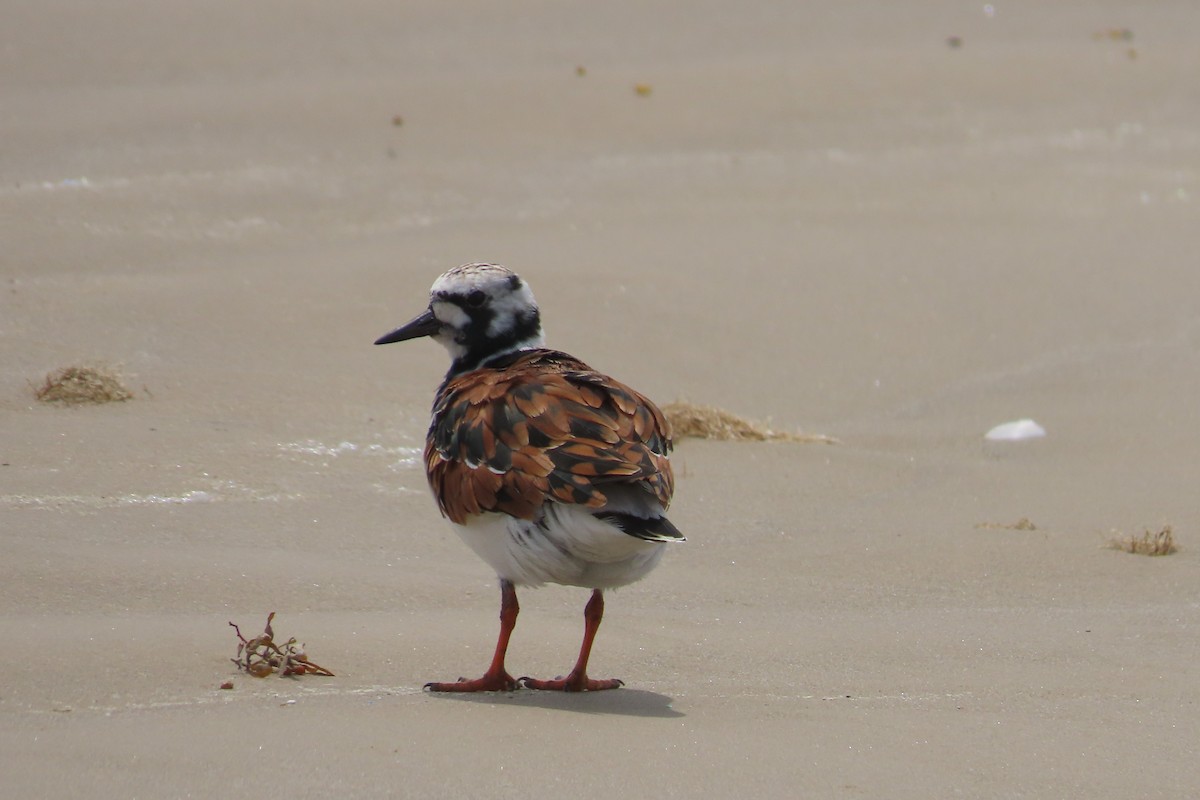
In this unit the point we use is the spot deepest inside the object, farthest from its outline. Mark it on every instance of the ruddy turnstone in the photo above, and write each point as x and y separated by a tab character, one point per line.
550	471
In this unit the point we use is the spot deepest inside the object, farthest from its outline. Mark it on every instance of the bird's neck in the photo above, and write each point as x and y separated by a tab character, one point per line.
470	358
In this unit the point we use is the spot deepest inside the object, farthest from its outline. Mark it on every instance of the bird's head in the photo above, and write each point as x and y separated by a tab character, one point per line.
477	312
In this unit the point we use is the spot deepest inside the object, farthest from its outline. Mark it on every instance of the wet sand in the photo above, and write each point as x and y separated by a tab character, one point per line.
827	216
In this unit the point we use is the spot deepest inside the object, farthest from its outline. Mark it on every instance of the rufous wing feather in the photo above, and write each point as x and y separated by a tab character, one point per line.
537	426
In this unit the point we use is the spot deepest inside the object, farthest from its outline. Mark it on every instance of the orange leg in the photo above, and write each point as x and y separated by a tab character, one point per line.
496	679
578	681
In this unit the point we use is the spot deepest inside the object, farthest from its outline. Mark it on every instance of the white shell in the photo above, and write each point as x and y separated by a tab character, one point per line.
1015	431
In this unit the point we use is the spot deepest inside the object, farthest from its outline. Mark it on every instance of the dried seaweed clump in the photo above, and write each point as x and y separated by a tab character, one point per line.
260	656
1023	524
709	422
74	386
1150	543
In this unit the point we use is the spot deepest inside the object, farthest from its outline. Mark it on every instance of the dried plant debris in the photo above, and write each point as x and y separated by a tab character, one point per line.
709	422
1023	524
1149	543
260	656
1118	36
1113	35
73	386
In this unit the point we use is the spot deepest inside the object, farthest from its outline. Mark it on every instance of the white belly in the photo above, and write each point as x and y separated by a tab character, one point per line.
569	547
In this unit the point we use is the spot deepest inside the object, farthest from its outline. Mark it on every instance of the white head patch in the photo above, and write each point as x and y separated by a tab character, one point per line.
507	296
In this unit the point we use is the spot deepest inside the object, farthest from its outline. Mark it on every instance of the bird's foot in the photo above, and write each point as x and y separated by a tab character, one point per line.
491	682
575	682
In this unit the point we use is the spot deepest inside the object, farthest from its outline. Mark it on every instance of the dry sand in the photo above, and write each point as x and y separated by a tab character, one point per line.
822	214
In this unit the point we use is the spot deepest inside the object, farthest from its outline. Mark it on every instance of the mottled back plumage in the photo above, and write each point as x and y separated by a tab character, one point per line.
537	426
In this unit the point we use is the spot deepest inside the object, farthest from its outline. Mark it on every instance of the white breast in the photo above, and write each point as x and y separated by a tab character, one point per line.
569	546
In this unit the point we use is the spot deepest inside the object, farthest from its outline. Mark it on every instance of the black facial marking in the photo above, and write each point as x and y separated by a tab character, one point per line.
476	339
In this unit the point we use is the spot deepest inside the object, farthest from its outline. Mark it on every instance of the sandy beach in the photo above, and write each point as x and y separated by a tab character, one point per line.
895	224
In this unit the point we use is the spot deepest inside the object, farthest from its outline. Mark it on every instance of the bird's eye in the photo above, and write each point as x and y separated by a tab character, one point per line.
476	299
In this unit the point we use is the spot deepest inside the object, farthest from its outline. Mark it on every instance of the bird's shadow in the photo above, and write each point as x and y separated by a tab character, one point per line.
620	702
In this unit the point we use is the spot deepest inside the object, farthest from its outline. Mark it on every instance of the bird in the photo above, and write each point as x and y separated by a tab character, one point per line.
550	471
